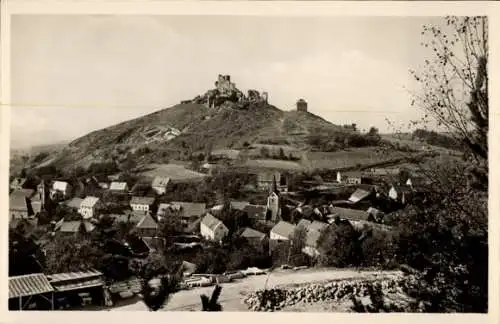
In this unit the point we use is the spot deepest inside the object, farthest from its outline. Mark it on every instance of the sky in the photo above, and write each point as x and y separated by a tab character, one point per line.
71	75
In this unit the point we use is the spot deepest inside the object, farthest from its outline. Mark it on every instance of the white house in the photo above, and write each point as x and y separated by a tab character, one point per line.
118	187
213	229
349	177
60	186
89	206
160	184
142	204
273	206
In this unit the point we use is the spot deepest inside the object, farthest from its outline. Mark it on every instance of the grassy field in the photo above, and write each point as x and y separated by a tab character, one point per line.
173	171
348	158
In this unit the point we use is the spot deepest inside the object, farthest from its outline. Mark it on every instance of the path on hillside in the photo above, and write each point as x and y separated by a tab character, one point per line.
233	293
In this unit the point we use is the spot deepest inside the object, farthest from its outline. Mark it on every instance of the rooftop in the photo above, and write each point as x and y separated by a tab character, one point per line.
89	202
136	200
349	214
160	181
284	229
210	221
118	186
189	209
29	285
251	233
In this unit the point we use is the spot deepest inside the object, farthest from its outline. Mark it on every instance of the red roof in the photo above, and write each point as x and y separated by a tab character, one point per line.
29	285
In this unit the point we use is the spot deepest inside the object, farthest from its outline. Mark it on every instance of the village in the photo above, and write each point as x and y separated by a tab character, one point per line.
362	200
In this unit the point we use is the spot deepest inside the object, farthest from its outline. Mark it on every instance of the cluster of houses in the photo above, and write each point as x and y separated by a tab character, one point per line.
145	212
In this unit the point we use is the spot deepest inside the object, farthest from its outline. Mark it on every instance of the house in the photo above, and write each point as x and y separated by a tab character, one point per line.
348	214
349	177
142	204
62	187
190	214
213	229
160	185
283	231
400	193
255	238
20	204
89	207
72	227
147	226
117	187
18	184
132	218
239	205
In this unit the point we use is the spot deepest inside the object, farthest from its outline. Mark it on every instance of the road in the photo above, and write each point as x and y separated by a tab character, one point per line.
233	293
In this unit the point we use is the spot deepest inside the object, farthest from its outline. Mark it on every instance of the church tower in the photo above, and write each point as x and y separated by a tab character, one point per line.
273	203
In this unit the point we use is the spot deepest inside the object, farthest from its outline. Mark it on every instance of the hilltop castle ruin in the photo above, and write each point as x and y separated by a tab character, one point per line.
225	92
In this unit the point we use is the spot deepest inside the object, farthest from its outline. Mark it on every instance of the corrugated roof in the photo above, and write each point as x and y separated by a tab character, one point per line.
251	233
29	285
76	280
147	222
190	209
118	186
284	229
66	276
349	214
160	182
210	221
359	195
136	200
89	202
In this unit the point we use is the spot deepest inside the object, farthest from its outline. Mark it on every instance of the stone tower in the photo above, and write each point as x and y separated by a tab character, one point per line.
302	105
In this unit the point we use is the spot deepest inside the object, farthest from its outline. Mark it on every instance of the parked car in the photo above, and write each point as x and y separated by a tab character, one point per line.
234	275
253	271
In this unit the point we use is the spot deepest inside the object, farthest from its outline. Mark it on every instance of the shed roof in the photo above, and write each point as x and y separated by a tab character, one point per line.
76	280
29	285
284	229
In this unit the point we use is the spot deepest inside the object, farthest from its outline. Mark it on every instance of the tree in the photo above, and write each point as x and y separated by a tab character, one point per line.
338	245
454	83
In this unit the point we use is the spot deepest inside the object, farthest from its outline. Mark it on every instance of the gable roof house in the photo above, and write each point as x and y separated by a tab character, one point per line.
213	229
147	226
20	204
350	177
72	227
348	214
255	238
89	207
142	204
160	185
